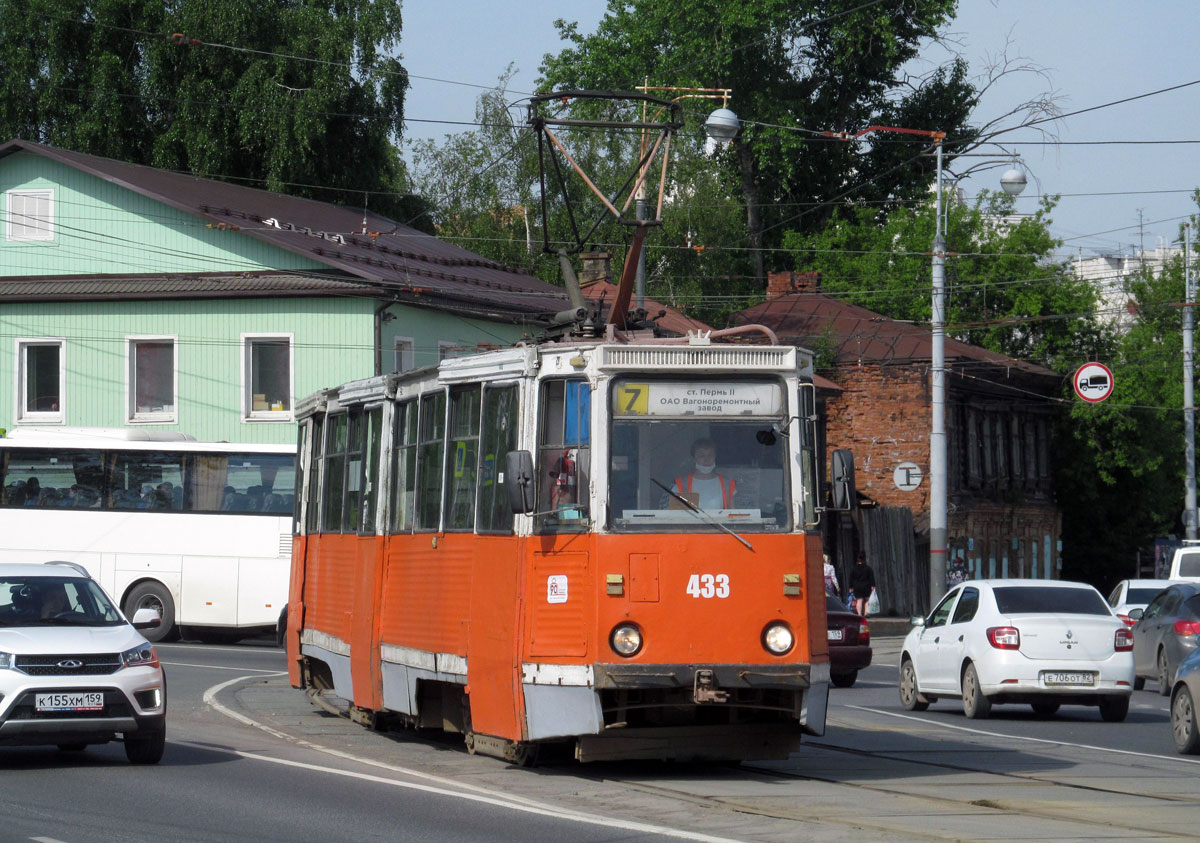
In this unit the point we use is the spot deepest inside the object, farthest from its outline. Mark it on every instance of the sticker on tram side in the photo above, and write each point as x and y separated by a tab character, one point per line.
708	585
556	588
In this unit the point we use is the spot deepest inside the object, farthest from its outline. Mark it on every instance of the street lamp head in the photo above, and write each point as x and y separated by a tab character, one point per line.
722	125
1013	181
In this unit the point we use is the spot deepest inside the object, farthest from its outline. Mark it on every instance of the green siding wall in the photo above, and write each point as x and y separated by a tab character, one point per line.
332	344
101	228
426	328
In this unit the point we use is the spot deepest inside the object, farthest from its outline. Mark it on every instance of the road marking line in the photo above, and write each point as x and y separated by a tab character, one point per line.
480	794
1024	738
224	667
46	840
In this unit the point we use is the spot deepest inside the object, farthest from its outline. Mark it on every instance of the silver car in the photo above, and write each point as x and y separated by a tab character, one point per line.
1184	695
1165	634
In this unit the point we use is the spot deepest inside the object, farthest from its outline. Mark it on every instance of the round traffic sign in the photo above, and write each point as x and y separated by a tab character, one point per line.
1093	382
907	476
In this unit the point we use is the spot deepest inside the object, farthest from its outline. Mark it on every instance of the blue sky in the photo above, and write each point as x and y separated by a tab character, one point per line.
1093	52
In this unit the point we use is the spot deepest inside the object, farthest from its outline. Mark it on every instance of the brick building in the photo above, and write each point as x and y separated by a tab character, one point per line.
1002	517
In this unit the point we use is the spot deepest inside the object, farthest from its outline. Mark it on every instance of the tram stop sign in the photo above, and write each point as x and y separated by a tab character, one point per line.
1093	382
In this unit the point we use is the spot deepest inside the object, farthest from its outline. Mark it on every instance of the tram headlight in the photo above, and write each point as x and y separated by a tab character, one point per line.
777	638
626	640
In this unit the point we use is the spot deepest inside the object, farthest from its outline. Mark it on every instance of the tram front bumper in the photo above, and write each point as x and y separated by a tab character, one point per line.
729	676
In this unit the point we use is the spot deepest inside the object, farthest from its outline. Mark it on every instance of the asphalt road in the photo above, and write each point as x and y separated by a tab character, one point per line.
250	759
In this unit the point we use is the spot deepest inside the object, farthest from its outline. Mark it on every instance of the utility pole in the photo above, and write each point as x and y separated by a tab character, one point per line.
1189	410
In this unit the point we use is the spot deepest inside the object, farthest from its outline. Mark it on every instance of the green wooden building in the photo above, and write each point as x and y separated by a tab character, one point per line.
135	296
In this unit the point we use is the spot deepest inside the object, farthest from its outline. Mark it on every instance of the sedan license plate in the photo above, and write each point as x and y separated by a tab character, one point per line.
835	635
1069	678
76	701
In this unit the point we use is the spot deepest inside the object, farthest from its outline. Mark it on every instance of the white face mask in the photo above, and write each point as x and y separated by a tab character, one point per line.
705	469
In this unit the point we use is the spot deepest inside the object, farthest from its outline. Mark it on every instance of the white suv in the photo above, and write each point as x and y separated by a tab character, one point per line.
73	670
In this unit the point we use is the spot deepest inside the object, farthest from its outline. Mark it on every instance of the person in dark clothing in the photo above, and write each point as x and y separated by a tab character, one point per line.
862	584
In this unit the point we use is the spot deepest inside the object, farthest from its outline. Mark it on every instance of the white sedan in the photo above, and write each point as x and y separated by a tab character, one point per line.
1041	642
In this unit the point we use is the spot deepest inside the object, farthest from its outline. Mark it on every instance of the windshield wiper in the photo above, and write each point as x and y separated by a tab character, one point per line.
702	513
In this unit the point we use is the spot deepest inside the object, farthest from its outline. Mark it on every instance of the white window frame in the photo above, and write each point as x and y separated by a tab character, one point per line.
404	350
450	350
24	416
9	219
132	416
250	415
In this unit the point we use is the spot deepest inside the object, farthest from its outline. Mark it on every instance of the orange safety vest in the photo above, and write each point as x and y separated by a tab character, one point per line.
727	490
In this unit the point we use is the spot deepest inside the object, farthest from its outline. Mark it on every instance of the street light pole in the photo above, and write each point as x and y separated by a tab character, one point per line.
937	431
1189	409
1013	182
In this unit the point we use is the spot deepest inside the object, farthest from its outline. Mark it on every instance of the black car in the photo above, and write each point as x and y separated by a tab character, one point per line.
1166	633
849	643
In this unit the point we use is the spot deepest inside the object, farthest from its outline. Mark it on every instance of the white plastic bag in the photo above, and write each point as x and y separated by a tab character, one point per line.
873	607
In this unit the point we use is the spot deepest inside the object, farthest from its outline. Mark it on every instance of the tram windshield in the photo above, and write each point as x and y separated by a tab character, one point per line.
694	454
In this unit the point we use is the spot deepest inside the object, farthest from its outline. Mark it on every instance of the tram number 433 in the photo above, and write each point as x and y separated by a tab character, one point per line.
708	585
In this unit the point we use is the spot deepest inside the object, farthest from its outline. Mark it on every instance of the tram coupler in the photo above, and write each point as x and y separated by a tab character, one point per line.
705	690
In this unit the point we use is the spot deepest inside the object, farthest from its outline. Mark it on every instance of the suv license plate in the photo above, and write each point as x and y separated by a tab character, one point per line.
1069	678
85	701
835	635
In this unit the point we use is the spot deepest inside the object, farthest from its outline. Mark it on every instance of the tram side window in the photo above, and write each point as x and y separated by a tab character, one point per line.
461	468
431	446
354	473
301	444
312	494
374	422
564	454
404	466
500	416
45	479
147	480
333	494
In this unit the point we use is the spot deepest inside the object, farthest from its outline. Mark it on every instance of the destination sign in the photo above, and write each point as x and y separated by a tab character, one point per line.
710	398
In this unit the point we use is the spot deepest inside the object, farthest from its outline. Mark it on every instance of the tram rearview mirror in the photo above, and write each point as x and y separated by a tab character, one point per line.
841	475
518	479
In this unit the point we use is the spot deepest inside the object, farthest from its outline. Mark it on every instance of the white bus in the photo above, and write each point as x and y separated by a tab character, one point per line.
201	532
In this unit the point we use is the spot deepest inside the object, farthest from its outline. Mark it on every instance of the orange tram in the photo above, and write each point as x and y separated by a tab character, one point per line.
600	545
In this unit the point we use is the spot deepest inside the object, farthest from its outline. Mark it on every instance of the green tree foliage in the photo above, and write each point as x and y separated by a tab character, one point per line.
796	69
1120	463
106	77
1004	292
483	185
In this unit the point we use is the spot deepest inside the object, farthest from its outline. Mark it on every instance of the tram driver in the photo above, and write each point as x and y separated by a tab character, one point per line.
703	486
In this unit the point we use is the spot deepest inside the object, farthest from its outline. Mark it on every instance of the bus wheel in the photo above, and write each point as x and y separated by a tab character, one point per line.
153	595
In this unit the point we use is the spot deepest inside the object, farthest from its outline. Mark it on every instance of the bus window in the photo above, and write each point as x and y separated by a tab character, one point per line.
404	466
147	480
244	483
334	474
461	468
374	422
62	478
500	416
564	454
431	447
